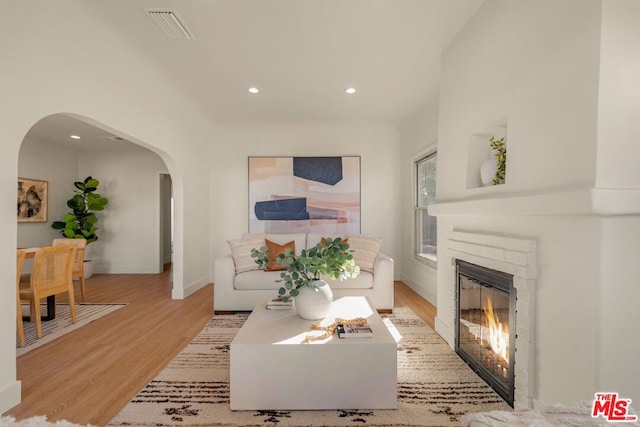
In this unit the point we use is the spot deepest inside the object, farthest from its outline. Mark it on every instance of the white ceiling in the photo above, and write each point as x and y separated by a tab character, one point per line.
58	128
301	54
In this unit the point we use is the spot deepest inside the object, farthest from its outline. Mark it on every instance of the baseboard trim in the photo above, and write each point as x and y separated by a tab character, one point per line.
445	332
420	290
182	293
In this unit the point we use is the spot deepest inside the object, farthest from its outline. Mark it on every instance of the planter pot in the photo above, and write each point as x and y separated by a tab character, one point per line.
314	302
488	171
88	269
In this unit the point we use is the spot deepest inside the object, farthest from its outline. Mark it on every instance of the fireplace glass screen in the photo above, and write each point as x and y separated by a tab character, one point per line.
485	330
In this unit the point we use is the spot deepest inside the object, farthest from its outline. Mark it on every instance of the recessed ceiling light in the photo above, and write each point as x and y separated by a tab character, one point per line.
254	90
74	137
350	90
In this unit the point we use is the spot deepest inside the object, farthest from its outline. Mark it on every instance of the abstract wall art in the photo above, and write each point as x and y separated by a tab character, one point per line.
33	195
304	195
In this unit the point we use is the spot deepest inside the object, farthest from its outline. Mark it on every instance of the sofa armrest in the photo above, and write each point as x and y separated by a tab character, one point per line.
225	269
383	267
224	274
383	281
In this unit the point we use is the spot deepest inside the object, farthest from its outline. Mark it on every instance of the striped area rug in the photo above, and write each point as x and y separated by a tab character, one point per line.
52	329
435	387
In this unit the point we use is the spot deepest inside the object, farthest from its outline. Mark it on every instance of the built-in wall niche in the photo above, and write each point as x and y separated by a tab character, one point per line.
480	152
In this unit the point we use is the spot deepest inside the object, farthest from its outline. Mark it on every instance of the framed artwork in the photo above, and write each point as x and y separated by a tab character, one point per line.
33	198
304	195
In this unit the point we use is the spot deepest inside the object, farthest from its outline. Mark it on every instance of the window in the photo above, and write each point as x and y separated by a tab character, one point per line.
426	225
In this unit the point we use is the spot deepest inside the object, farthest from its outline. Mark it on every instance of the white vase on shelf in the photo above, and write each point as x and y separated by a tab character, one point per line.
488	171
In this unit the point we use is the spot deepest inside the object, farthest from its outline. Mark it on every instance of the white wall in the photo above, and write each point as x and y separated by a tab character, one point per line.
618	343
377	144
419	133
57	165
618	182
103	78
129	227
536	67
619	96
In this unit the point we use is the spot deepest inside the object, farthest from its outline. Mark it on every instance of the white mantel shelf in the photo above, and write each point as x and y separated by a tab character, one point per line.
585	201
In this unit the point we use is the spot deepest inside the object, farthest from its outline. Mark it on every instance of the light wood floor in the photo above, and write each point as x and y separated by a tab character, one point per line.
89	375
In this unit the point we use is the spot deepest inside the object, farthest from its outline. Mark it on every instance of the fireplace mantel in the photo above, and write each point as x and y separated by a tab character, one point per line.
493	201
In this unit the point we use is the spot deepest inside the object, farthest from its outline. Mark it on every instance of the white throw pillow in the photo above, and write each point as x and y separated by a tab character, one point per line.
365	250
241	252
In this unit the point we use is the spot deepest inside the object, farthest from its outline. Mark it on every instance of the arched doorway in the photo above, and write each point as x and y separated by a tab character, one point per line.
131	228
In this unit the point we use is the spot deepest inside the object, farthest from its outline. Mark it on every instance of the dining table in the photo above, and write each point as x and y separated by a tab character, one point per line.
30	253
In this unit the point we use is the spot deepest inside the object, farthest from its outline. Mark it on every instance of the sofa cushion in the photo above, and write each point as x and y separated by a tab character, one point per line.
365	250
264	280
241	252
257	280
274	250
281	239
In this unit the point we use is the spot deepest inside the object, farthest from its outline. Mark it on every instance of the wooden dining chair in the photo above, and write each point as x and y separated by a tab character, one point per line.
51	275
20	261
78	262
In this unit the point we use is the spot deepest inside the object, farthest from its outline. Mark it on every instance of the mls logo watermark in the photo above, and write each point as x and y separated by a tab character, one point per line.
612	408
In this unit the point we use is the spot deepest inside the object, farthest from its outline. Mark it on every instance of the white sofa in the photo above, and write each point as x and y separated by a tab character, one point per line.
243	290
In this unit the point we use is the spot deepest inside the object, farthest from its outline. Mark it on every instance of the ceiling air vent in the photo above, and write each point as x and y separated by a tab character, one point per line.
170	23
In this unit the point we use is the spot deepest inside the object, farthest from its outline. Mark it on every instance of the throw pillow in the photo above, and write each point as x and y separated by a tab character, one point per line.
241	252
323	240
273	252
365	251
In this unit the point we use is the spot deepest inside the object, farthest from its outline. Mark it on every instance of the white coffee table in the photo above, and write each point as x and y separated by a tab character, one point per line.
273	368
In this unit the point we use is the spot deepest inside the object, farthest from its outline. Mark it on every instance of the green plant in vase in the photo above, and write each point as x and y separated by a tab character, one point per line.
330	257
500	151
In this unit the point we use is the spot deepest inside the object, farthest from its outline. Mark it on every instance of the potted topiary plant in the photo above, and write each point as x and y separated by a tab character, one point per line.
81	222
302	279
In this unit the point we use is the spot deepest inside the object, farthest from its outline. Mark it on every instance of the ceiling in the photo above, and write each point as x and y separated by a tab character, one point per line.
58	128
301	54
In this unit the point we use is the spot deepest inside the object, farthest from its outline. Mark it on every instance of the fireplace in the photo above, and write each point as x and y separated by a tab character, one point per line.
485	325
510	254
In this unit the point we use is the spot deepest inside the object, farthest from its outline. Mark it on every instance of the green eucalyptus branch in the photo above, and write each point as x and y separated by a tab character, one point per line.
500	151
330	257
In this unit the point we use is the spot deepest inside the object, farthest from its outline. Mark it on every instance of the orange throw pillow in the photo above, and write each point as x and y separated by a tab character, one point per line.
323	240
274	250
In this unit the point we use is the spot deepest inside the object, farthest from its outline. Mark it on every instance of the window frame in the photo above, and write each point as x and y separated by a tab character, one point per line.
419	210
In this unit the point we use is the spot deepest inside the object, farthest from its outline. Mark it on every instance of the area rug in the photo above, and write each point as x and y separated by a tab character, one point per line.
53	329
435	387
37	421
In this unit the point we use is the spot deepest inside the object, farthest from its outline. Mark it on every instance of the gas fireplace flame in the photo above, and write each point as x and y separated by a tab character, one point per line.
498	332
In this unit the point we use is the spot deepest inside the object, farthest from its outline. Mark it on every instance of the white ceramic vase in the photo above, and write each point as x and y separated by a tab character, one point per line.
488	171
313	303
88	269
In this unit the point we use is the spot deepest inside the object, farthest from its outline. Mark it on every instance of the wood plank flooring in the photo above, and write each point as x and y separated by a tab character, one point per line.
89	375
